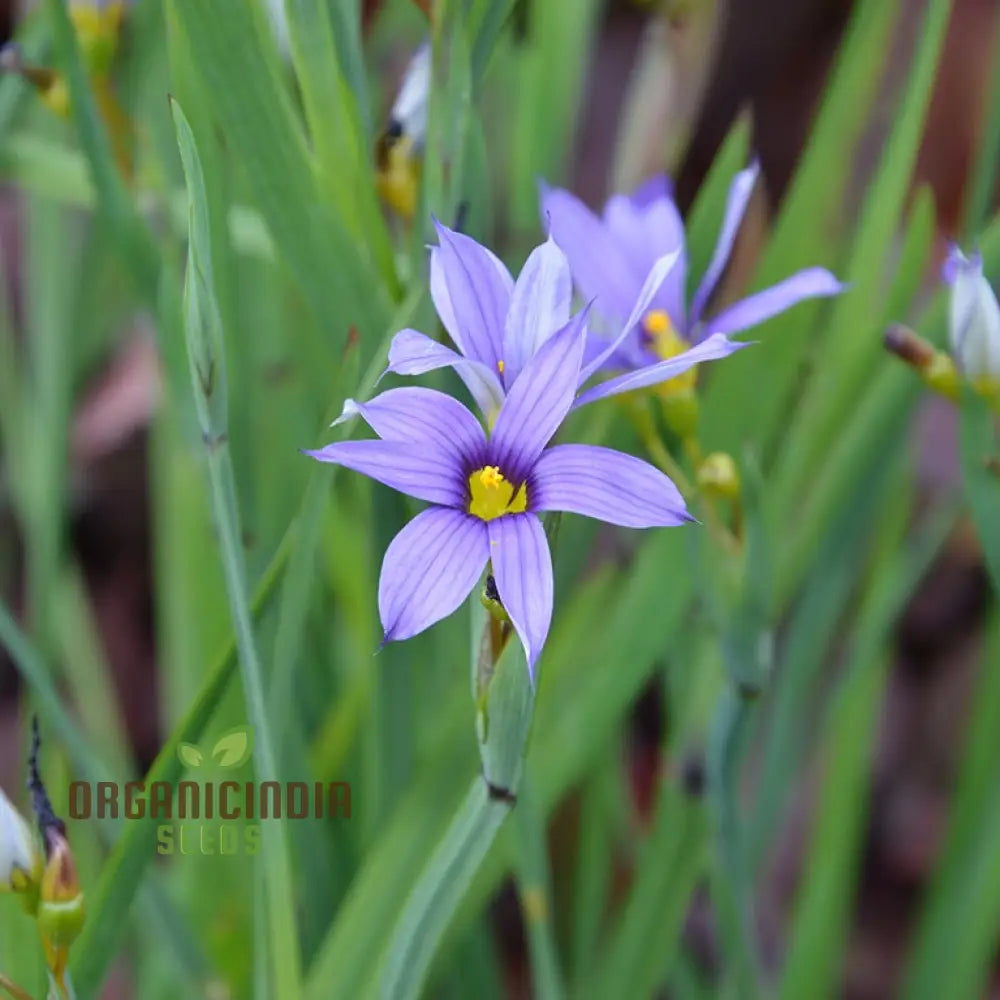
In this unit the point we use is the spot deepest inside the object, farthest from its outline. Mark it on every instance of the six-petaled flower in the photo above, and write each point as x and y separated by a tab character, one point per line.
486	492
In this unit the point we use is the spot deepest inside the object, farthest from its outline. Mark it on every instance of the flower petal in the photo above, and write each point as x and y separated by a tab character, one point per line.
413	353
717	346
428	473
539	306
429	569
471	290
607	485
647	233
600	270
522	569
538	401
657	187
814	282
413	413
660	269
736	206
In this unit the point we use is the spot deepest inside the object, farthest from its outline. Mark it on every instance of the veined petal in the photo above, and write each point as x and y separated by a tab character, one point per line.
607	485
736	206
539	306
428	472
600	270
522	569
538	401
471	290
413	413
413	353
814	282
429	569
716	346
647	293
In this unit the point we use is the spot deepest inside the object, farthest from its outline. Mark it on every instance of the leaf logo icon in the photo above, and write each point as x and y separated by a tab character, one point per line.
190	755
234	748
231	750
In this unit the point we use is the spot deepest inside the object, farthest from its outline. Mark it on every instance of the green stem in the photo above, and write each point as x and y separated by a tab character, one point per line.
535	892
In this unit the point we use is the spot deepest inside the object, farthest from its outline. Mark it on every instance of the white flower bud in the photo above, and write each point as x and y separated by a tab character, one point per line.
973	318
18	852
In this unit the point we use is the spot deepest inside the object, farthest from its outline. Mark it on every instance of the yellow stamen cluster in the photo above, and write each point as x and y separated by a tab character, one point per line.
668	343
500	366
491	495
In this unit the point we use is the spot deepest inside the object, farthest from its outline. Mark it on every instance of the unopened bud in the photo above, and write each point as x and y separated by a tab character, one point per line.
935	367
905	344
20	860
973	319
718	476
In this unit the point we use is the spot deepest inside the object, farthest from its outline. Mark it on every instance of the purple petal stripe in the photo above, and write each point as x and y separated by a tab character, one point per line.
471	290
413	353
607	485
736	206
814	282
538	401
429	569
522	569
413	413
718	346
425	471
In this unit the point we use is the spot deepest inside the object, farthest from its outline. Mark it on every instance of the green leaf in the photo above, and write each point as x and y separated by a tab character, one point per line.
204	338
335	274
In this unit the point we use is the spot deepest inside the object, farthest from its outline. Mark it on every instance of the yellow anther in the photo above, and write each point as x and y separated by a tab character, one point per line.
656	323
491	495
491	476
500	366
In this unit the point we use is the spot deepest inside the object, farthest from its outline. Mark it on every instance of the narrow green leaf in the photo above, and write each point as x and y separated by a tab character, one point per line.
205	351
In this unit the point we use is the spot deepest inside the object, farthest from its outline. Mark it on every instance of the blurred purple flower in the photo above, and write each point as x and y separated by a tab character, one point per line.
486	492
611	257
498	324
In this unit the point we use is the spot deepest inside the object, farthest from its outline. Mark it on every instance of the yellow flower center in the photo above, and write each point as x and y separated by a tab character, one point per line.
500	366
667	343
490	495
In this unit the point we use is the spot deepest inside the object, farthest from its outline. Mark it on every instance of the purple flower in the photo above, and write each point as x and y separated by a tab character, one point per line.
486	492
498	324
611	257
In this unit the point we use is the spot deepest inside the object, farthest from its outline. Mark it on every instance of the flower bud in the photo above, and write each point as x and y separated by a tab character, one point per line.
19	856
973	319
719	477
